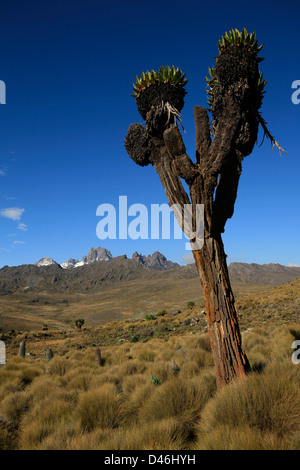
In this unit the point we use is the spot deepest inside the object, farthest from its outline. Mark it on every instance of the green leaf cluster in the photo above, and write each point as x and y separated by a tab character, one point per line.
165	74
238	38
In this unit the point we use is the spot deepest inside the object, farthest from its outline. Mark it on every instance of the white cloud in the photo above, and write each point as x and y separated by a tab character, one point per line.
5	249
2	173
23	227
18	242
13	213
188	258
292	265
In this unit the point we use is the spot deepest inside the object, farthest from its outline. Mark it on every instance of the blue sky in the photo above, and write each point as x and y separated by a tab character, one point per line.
68	68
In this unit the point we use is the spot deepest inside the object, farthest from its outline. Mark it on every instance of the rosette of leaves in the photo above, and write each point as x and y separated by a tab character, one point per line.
236	73
237	60
160	96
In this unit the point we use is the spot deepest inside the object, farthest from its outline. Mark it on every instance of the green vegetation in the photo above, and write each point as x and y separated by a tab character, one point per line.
241	39
155	380
164	75
190	304
134	339
149	317
161	313
79	323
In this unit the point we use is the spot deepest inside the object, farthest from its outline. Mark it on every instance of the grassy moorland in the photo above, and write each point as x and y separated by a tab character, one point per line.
128	299
156	386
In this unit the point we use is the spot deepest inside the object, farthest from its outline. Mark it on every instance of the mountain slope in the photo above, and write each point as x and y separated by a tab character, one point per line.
48	276
263	273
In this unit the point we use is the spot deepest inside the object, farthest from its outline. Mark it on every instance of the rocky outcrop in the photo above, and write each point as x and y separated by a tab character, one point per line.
155	261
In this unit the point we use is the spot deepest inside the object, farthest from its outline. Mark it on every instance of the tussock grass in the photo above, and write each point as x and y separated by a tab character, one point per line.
268	403
240	437
177	399
13	405
100	408
5	440
58	366
166	434
132	383
160	395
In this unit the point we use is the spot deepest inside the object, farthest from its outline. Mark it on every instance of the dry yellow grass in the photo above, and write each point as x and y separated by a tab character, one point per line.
267	403
160	394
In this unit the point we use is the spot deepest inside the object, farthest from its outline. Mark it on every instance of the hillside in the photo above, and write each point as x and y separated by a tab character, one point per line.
116	289
263	273
53	279
276	306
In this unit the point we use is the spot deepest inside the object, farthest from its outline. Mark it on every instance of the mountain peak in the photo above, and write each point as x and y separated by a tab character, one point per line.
97	254
155	261
45	262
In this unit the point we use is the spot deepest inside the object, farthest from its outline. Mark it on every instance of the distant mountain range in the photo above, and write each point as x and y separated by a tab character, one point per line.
155	261
99	268
263	273
95	254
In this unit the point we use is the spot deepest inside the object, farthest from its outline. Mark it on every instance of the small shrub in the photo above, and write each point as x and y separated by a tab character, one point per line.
161	313
149	317
79	323
134	339
190	304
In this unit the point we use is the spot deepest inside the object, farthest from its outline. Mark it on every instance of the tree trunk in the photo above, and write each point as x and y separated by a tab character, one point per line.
222	316
213	182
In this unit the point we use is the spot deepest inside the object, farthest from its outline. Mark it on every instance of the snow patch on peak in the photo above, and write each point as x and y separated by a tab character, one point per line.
95	254
45	262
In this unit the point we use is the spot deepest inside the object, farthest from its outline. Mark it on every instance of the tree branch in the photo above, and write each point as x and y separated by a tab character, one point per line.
223	141
186	169
226	192
203	140
170	179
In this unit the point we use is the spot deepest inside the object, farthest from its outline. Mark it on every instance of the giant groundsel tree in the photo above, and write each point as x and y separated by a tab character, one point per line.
235	94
